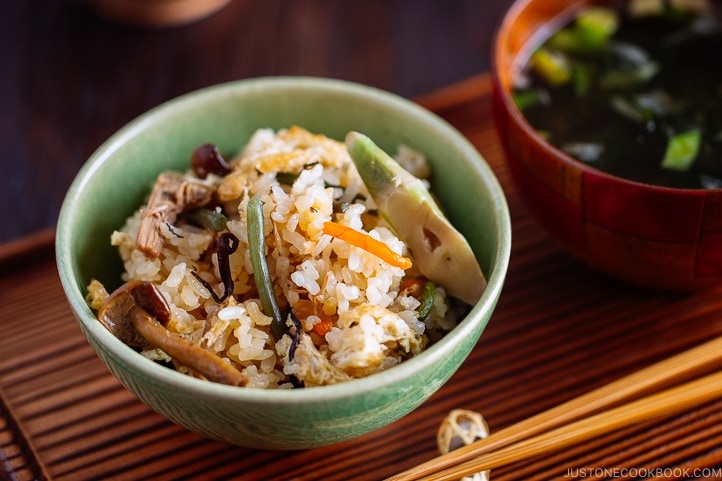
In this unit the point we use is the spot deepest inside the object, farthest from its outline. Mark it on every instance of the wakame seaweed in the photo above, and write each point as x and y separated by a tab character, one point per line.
633	93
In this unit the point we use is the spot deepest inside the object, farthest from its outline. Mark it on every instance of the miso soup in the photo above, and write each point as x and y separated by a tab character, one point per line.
634	90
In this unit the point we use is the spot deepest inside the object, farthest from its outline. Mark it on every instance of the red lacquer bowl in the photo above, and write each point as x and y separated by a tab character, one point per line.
652	236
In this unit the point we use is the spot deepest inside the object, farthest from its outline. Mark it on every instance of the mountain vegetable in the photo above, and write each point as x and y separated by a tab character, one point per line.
442	254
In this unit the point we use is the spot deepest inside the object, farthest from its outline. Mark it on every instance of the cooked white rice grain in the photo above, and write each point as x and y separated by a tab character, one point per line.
354	321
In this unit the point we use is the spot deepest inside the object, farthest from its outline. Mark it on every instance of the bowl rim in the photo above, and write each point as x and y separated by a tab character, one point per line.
500	34
182	382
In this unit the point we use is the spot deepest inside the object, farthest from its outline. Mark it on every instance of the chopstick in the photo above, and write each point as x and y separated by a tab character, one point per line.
663	403
664	373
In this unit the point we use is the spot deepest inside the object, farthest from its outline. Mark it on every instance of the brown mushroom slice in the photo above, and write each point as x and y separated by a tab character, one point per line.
114	314
134	312
203	362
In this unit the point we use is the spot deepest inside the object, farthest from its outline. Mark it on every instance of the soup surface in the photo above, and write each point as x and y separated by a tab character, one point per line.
635	91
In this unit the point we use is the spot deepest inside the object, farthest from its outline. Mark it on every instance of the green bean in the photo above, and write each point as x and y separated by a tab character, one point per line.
208	219
427	300
261	274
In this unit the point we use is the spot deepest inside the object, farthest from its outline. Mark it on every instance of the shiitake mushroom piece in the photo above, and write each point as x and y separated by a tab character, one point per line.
137	314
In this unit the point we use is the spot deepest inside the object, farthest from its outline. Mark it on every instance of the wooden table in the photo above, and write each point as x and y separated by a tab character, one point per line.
559	330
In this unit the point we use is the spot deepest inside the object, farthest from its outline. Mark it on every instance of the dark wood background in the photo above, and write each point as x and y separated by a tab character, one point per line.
70	78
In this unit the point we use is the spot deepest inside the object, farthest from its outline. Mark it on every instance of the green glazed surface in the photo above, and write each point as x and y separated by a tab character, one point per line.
119	175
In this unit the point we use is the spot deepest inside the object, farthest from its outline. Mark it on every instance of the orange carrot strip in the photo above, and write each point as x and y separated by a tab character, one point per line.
367	243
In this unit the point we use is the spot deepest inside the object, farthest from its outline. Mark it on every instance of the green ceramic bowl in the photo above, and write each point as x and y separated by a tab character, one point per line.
115	179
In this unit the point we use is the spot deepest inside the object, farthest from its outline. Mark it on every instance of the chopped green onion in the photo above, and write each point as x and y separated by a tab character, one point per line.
261	273
526	98
590	32
565	40
595	26
551	66
682	150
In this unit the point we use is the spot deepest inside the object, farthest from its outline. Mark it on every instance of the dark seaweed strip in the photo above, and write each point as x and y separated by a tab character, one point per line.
295	336
226	245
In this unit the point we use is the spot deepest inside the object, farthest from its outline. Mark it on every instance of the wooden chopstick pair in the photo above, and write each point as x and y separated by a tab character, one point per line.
549	431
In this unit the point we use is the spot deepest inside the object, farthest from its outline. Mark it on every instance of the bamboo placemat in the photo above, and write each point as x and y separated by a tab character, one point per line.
559	330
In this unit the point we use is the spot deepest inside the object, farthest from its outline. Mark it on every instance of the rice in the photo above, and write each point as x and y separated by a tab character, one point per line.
356	316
